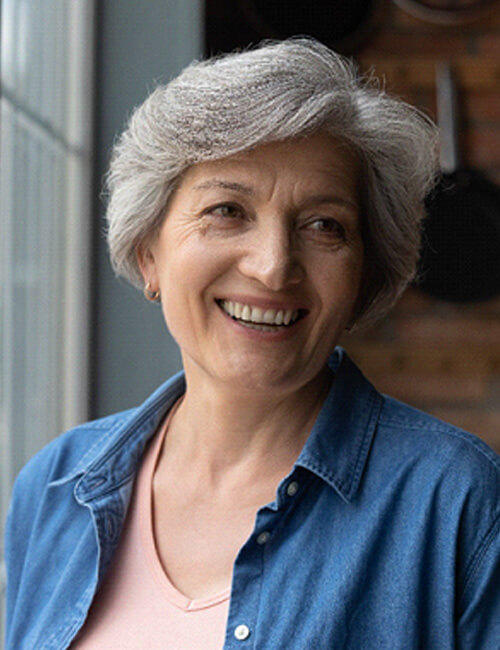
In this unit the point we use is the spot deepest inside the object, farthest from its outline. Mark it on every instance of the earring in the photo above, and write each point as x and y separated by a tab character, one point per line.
152	296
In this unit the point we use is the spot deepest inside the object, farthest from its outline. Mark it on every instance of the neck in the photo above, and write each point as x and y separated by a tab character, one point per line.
219	428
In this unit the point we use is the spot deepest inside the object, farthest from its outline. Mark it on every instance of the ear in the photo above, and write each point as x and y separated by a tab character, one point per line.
147	265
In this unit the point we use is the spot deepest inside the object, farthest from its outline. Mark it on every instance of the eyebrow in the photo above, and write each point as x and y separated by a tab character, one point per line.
249	191
331	198
226	185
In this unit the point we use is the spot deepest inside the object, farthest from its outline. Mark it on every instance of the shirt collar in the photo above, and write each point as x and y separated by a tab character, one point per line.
336	450
338	446
117	456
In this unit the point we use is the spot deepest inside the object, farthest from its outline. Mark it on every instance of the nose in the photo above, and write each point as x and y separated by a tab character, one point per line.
271	258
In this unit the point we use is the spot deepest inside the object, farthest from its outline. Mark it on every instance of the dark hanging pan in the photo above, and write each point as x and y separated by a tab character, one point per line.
460	259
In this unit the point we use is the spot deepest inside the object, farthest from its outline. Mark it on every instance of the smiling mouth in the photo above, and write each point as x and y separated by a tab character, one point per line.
266	320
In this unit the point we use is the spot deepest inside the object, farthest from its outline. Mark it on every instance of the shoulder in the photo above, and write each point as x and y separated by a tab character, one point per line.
124	433
65	458
73	451
441	444
448	482
414	446
452	475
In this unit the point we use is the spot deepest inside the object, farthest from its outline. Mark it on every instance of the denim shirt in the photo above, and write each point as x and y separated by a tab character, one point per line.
385	534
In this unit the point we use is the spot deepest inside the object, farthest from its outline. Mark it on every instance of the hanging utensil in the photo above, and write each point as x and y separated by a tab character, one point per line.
460	259
341	25
447	12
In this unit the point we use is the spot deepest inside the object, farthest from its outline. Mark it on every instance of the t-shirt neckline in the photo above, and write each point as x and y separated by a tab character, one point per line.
159	573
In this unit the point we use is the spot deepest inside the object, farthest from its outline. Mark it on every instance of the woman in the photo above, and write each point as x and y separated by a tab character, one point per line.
268	497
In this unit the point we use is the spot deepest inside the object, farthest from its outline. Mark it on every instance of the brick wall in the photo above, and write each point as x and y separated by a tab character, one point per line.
438	356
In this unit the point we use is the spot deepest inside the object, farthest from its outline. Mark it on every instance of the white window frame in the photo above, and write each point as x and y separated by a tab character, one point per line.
47	56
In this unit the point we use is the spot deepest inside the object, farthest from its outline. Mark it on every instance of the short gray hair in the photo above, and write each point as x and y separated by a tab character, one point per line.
279	90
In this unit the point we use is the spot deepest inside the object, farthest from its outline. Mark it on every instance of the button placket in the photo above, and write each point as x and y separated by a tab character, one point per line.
241	628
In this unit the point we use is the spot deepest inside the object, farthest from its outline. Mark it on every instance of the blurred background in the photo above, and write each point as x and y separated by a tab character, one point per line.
75	342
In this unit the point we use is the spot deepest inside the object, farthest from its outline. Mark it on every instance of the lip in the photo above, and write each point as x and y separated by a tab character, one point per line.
280	334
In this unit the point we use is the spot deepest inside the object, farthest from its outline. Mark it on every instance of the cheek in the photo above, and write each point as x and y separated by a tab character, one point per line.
187	283
342	279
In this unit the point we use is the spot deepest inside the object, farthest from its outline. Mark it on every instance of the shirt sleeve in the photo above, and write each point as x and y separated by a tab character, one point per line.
26	495
479	607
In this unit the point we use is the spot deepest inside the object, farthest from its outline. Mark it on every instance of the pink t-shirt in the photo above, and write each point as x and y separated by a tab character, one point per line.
137	606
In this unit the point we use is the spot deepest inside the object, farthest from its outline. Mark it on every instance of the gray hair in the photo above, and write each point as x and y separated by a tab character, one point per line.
280	90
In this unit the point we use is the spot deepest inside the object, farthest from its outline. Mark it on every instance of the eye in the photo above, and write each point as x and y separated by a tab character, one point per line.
225	211
326	226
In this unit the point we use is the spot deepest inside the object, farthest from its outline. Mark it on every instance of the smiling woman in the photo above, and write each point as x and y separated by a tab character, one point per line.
267	497
276	234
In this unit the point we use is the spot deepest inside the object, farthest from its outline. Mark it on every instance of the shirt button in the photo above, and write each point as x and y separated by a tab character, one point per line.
292	488
264	537
242	632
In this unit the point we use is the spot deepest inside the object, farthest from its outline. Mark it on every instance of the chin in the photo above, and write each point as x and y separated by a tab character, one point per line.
269	377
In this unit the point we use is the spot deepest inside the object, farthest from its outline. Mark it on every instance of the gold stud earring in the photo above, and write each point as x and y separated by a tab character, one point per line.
152	296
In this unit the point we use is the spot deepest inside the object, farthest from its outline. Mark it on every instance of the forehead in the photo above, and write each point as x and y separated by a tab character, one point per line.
319	160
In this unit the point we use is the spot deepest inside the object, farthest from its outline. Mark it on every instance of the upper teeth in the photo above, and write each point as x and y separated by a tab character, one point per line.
258	315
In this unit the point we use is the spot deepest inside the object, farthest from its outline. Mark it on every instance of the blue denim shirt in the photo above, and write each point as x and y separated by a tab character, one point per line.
385	535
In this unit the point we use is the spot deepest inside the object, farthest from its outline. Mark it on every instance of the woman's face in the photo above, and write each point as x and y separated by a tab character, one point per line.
259	262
